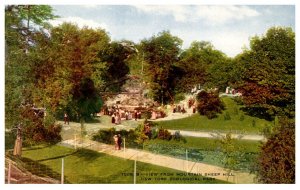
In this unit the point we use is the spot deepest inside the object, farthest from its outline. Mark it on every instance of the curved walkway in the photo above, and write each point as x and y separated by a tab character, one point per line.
165	161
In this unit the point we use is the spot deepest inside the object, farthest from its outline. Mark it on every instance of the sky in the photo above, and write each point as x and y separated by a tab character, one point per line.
227	27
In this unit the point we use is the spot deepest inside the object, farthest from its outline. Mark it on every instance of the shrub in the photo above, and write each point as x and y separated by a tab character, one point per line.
164	134
105	136
39	129
209	104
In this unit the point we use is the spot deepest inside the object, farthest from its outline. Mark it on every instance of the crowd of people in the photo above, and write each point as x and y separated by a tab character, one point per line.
179	108
118	114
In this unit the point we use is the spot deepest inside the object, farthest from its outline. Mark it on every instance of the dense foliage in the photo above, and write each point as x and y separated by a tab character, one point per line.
276	163
161	54
209	104
268	80
200	64
19	60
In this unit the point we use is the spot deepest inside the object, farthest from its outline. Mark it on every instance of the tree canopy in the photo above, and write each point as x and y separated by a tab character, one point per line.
161	54
268	82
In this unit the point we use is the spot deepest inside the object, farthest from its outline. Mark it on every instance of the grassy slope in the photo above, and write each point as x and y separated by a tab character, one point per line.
85	166
202	123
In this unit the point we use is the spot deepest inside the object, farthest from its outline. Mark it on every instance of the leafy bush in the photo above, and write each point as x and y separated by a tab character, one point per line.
39	129
105	136
164	134
138	136
209	104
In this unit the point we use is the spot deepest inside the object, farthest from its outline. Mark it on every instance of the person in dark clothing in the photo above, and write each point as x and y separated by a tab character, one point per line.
66	118
119	141
135	115
113	119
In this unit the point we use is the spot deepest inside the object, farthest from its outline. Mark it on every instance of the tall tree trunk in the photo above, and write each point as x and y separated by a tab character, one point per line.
18	142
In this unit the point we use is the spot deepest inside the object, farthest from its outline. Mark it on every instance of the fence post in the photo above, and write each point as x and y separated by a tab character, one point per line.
186	157
134	172
9	172
62	171
124	147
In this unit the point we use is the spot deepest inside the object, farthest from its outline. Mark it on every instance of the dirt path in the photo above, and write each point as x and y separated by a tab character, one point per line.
164	161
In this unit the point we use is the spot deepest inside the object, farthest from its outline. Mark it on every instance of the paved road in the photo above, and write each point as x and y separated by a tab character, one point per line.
164	161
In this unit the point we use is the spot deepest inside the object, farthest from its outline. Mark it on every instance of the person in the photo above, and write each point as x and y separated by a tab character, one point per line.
153	115
194	108
126	115
129	115
227	90
182	109
117	118
116	142
119	141
66	118
178	108
135	114
113	119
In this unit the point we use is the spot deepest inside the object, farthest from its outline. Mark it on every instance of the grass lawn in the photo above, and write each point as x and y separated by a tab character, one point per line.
85	166
239	122
208	144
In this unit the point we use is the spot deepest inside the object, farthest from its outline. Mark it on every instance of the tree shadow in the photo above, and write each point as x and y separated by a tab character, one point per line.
57	157
258	112
36	147
87	155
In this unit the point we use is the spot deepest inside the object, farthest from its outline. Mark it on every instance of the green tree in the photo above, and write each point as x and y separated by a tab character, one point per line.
198	65
161	53
117	56
19	32
68	70
268	82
